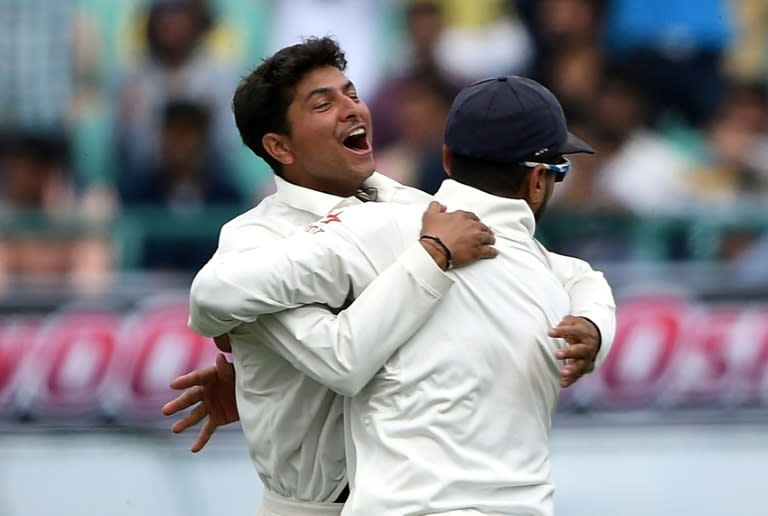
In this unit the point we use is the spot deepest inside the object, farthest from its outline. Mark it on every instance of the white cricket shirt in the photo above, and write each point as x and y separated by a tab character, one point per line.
458	418
292	423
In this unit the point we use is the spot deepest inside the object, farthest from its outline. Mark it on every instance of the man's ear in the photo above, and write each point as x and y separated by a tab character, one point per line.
279	147
536	184
447	165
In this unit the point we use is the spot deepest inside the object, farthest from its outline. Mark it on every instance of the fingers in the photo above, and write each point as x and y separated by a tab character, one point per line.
198	414
576	332
574	370
484	232
203	437
435	207
579	354
486	239
570	323
575	351
583	344
183	401
569	332
462	232
196	377
467	215
487	252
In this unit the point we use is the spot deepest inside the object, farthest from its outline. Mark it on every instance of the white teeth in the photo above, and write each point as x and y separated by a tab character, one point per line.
357	132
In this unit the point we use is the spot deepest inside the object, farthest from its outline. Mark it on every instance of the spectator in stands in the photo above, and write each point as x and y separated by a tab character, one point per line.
675	49
482	38
732	160
745	58
34	174
176	66
415	157
187	173
185	177
569	55
424	23
46	237
636	170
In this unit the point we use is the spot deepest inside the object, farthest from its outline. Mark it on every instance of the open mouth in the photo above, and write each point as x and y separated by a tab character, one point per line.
357	141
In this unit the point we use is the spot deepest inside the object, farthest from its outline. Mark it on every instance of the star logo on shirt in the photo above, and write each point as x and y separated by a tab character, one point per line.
331	217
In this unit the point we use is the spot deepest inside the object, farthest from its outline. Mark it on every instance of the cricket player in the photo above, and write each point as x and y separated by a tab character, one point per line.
457	420
299	112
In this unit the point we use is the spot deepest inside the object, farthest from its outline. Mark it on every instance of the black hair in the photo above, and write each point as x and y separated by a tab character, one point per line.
188	113
751	90
432	80
201	15
46	149
493	177
423	7
261	101
489	176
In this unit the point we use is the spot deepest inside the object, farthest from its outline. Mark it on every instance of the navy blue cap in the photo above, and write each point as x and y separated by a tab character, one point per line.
509	119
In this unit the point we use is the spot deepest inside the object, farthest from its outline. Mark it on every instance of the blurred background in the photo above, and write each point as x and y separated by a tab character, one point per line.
119	162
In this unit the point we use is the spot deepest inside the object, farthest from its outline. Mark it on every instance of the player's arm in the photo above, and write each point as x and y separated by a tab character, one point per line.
345	351
326	267
590	329
235	288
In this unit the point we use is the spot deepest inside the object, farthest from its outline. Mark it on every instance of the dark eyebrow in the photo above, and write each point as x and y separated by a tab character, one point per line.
327	89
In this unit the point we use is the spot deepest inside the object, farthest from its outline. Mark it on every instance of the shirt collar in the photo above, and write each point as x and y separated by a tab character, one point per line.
381	182
305	199
320	203
505	216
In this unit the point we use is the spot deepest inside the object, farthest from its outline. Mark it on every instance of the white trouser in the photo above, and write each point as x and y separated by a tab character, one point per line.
275	505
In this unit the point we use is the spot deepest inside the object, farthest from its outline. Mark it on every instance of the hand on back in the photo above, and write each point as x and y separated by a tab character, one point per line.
459	236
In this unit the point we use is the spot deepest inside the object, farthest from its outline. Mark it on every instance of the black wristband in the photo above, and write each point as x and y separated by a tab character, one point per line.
447	251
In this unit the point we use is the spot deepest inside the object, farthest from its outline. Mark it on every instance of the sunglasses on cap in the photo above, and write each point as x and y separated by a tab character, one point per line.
560	169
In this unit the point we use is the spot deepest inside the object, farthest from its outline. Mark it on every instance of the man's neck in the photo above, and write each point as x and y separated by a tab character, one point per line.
339	190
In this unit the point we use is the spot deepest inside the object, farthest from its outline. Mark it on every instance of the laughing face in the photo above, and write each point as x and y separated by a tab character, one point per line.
329	148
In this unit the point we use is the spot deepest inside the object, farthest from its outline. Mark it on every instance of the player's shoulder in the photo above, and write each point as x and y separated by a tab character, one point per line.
251	227
395	192
380	212
381	218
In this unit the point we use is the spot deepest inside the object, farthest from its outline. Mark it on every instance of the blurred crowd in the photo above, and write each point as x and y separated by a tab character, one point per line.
116	125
